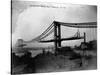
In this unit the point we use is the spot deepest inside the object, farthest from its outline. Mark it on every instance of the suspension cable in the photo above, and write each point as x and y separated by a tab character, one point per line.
44	32
80	25
47	34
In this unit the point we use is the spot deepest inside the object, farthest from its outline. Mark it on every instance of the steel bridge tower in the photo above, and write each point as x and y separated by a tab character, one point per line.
57	35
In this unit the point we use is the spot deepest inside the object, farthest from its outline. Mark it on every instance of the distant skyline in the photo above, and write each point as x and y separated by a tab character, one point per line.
29	21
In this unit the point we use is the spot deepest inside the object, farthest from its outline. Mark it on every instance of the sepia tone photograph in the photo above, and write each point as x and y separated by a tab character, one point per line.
52	37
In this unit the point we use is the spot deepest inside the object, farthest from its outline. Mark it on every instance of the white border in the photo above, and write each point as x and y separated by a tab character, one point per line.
5	30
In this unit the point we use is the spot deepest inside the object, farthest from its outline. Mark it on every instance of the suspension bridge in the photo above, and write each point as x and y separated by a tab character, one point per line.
55	28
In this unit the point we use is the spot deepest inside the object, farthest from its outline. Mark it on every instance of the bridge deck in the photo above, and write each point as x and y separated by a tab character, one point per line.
63	39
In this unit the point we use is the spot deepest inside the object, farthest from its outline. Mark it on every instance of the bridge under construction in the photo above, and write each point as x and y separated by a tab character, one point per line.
55	28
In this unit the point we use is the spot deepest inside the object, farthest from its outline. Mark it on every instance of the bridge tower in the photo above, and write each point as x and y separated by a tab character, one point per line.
57	35
84	37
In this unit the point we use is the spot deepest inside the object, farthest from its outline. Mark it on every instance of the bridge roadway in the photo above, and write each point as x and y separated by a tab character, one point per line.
63	39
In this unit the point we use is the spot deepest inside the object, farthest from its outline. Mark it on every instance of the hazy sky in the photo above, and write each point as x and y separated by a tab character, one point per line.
29	21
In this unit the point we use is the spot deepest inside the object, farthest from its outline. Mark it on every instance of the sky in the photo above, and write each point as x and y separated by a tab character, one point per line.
30	19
